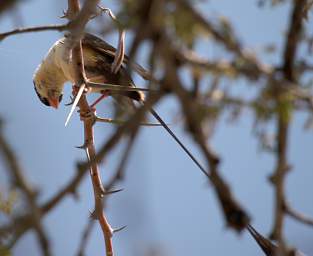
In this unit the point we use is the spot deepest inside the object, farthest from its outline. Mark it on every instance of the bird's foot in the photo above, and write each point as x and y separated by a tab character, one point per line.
104	94
76	88
72	99
89	115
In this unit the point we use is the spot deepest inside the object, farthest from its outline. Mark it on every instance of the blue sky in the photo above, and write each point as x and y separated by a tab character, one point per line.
167	202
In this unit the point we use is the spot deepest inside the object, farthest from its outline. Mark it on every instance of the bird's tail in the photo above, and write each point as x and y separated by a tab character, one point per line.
178	141
265	244
170	132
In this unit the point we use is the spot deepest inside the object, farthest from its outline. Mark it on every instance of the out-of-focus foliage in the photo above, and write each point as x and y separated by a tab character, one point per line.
4	251
204	85
7	5
7	204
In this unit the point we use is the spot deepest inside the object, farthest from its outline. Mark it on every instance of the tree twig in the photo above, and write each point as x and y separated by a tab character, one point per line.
34	29
15	170
77	30
85	236
298	215
283	116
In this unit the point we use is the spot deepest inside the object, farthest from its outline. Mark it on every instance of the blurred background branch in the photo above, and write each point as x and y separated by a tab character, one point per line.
171	34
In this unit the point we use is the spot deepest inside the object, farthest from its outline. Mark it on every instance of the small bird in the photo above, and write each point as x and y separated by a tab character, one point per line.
56	69
51	75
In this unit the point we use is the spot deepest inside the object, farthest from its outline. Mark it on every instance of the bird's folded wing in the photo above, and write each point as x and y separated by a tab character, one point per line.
103	47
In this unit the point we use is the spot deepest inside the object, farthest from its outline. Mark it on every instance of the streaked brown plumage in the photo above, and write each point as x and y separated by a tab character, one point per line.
55	70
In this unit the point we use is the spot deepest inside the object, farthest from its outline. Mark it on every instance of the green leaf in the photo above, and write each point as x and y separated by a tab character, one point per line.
4	251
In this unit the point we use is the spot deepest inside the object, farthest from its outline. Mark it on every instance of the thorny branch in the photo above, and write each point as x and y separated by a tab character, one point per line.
76	27
85	236
33	29
78	24
16	172
235	216
23	223
7	5
283	120
285	89
298	216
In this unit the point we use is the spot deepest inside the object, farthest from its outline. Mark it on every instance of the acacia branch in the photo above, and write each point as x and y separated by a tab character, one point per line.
16	172
21	224
283	115
298	215
59	28
8	5
77	30
248	67
84	238
230	41
223	67
235	216
293	39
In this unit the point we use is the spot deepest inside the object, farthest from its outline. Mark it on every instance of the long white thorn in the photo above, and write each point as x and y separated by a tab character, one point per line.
77	98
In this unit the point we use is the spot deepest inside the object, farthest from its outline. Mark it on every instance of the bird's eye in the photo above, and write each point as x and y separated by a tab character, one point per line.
42	99
45	101
60	97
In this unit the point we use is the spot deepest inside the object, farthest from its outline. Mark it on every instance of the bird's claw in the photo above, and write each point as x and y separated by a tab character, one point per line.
76	88
89	115
72	99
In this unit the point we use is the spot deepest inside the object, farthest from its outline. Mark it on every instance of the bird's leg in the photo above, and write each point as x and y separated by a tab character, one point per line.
104	94
75	90
72	99
91	113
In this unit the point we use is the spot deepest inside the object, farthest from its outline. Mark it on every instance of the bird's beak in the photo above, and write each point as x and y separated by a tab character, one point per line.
54	102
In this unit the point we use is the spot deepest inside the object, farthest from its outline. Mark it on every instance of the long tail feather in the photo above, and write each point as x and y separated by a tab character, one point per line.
265	244
165	126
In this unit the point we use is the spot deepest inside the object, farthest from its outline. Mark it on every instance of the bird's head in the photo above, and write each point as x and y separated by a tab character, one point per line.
48	87
49	97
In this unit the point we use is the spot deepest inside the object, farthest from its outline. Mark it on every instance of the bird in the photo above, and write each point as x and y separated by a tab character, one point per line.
56	69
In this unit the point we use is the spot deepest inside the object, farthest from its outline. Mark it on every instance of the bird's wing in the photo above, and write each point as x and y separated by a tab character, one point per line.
103	47
98	44
98	57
